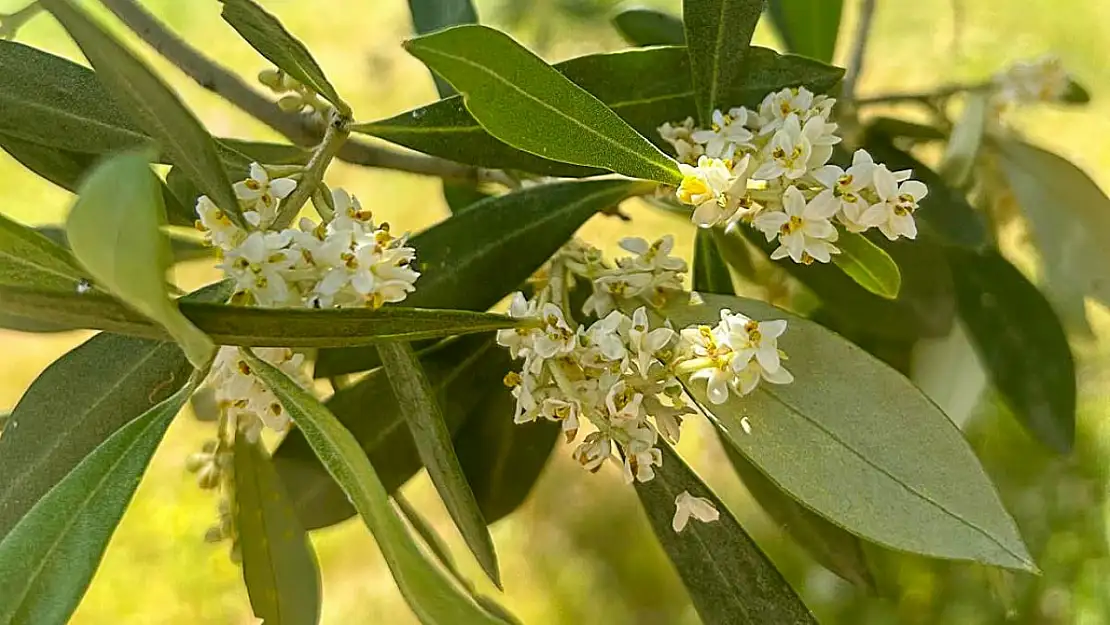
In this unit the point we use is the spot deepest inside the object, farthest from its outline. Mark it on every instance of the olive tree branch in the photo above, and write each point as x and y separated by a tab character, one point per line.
925	97
859	48
300	129
11	23
334	138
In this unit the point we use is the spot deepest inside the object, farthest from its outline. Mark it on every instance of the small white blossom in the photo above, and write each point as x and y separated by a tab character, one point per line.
594	451
679	137
245	398
646	343
737	353
893	213
794	149
258	266
260	193
1038	80
726	134
803	229
519	340
705	184
688	506
845	188
217	226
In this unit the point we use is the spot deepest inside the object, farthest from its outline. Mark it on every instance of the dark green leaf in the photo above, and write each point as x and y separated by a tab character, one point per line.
421	410
523	101
807	27
266	35
432	15
832	547
881	461
648	27
893	127
154	107
279	565
507	238
182	248
1076	94
115	230
462	195
260	152
718	35
430	594
645	87
710	273
1069	216
254	327
868	264
502	460
1020	342
27	258
74	405
962	149
369	410
944	211
728	577
51	554
54	102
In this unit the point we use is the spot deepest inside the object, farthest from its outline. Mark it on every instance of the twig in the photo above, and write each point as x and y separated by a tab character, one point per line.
334	137
859	48
299	129
925	97
12	22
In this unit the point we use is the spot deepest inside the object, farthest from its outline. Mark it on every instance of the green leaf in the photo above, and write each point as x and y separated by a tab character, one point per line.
279	565
74	405
432	15
460	196
507	237
27	258
266	35
154	107
422	412
54	102
259	152
729	578
182	248
523	101
249	326
114	229
502	460
645	87
1069	216
945	211
967	136
880	461
807	27
648	27
868	264
832	547
718	35
51	554
430	594
1020	342
1076	93
710	273
369	410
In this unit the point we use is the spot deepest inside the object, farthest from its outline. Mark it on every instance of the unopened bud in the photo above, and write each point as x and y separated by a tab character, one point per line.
195	462
208	477
213	535
272	78
291	103
289	83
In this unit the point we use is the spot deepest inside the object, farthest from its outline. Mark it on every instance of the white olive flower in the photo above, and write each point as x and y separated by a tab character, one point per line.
594	451
623	403
777	106
795	149
687	506
639	463
726	134
606	336
653	256
217	226
893	214
1038	80
565	412
349	214
645	342
753	339
845	189
706	183
803	229
258	266
748	375
556	337
519	340
260	193
245	398
679	137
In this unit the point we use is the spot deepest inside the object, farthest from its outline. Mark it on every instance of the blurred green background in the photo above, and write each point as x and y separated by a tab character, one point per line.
579	550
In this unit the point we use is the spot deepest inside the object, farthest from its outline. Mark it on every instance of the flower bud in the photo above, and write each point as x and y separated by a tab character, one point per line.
208	477
196	461
271	78
291	103
213	534
289	83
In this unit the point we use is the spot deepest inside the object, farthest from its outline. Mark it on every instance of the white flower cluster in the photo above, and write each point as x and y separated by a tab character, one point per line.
1042	79
245	400
619	375
770	169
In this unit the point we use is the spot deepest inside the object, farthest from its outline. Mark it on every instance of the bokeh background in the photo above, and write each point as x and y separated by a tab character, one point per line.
579	551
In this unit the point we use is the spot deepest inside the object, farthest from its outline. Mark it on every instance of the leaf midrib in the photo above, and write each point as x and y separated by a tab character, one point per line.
60	112
589	129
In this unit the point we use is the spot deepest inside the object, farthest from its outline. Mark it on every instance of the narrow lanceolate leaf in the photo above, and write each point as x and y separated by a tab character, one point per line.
51	554
369	410
107	381
967	136
807	27
1020	342
831	546
155	108
710	273
508	238
114	229
279	565
29	259
431	15
431	595
266	35
254	327
1069	216
182	248
881	460
868	264
424	416
648	27
502	460
645	87
54	102
729	578
718	35
526	103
